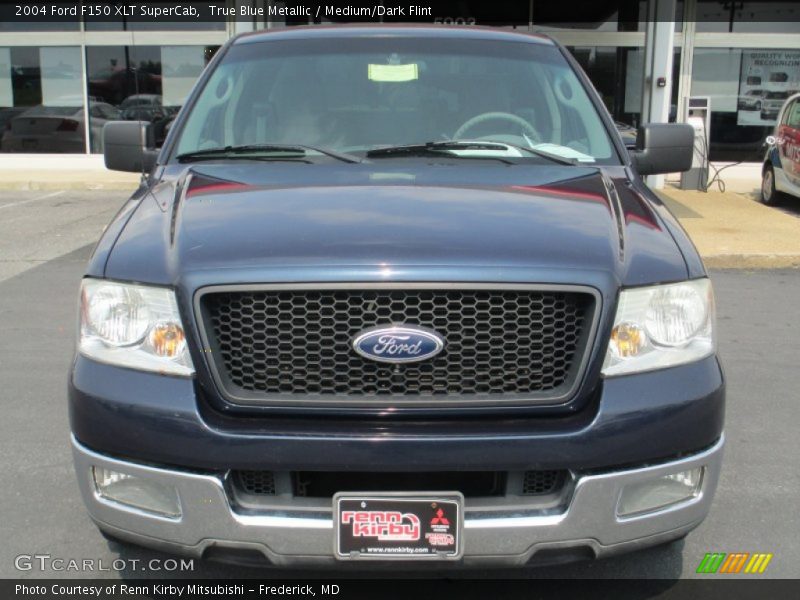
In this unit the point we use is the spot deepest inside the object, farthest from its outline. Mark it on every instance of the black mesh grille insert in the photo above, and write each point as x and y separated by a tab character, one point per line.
497	342
316	484
261	483
537	483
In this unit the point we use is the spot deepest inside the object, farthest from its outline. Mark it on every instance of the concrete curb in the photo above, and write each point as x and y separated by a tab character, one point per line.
72	172
49	186
752	261
734	231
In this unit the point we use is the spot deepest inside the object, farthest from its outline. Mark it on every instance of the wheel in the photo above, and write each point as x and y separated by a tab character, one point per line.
769	195
498	116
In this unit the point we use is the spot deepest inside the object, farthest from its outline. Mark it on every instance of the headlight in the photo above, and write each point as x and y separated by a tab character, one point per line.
133	326
661	326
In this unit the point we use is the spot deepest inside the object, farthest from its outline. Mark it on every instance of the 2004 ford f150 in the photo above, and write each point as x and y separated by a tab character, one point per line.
396	293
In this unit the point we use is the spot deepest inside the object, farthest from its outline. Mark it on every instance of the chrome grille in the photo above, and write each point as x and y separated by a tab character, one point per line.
277	343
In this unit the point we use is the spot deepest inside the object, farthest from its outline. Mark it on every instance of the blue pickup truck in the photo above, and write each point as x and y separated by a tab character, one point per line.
396	293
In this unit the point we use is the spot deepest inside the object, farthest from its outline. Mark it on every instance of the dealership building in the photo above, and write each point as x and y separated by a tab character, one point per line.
61	81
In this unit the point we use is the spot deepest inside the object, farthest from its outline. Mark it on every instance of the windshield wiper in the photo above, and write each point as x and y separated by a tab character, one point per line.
247	150
436	149
445	145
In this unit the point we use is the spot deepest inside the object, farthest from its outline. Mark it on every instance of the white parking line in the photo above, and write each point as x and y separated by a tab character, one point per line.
21	202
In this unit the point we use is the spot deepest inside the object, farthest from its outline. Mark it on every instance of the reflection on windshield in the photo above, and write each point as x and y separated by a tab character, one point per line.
355	95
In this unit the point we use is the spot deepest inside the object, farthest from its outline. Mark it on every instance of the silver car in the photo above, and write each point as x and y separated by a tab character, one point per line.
771	104
57	129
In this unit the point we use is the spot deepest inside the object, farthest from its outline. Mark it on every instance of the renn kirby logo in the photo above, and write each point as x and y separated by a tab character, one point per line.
734	563
383	524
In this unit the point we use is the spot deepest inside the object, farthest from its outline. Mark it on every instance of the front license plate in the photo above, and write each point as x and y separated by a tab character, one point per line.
410	526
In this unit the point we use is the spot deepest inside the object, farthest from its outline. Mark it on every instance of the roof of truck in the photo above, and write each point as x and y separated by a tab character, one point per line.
372	30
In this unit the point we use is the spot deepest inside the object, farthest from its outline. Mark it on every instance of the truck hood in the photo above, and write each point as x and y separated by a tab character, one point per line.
219	223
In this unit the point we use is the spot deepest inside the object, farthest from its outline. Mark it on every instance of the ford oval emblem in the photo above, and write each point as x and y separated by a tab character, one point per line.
398	343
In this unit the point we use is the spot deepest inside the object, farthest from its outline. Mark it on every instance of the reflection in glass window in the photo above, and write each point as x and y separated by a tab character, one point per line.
181	66
747	88
61	77
41	100
353	97
6	87
141	83
616	73
123	23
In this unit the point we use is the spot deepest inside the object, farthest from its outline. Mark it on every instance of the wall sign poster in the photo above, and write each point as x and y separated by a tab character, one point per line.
766	79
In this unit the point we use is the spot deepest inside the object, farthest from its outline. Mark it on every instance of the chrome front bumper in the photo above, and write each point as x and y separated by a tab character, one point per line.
493	536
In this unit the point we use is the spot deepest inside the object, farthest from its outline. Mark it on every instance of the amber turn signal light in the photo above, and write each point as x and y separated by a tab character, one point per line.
167	339
627	340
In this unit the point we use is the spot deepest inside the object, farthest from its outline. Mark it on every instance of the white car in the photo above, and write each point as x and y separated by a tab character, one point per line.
57	129
781	171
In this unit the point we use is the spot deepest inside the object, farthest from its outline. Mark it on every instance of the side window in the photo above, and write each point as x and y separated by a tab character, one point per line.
793	115
788	113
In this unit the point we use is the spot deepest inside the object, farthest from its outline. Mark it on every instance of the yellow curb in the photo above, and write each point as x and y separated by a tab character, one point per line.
752	261
732	229
67	179
22	186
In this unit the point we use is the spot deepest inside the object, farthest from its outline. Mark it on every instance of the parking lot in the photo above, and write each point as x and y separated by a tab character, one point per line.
45	240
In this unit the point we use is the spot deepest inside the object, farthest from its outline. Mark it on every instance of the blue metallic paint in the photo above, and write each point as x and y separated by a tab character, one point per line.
355	215
631	420
419	219
490	223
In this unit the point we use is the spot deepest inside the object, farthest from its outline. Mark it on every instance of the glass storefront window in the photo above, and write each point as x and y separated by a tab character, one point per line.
602	15
8	26
122	23
41	100
617	74
772	16
747	88
145	83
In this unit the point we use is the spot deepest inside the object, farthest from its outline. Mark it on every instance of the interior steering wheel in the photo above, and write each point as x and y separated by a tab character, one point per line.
527	128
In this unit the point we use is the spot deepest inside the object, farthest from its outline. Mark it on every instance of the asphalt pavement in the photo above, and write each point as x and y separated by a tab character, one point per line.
43	251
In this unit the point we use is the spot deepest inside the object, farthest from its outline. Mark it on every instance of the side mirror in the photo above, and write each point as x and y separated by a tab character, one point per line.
129	146
663	148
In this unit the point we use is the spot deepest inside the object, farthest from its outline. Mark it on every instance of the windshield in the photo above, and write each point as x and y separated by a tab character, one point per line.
360	94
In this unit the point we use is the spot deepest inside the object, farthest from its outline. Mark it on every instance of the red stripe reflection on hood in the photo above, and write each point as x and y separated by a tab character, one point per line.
211	188
561	191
